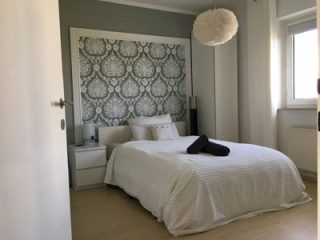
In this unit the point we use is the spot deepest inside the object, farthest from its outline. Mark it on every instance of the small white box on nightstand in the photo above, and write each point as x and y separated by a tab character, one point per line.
88	165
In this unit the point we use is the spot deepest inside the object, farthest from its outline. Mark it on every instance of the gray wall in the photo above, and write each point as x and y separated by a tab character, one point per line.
93	14
289	7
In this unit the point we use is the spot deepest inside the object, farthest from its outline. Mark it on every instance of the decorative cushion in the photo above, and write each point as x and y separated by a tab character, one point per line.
141	132
140	126
165	131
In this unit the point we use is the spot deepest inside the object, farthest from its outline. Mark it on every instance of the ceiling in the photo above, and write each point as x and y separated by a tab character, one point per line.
182	6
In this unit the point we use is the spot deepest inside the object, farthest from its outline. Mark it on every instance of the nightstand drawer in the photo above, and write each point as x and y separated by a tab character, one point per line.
88	165
90	176
90	159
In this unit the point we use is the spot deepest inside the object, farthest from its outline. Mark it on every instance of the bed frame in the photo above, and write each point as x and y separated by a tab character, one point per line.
121	134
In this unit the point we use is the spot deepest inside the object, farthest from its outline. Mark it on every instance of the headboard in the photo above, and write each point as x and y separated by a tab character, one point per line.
107	97
121	134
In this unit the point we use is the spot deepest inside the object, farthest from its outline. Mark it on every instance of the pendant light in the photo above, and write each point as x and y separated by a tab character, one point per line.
215	26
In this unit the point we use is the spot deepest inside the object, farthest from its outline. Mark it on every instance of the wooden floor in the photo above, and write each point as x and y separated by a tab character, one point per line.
108	213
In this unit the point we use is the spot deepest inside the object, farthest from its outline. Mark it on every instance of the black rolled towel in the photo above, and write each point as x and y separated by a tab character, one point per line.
198	145
216	149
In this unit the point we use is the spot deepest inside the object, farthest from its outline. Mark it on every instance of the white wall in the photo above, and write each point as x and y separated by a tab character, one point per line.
302	151
304	118
293	117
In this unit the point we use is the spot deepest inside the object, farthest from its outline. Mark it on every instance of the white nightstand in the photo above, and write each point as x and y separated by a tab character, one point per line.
88	165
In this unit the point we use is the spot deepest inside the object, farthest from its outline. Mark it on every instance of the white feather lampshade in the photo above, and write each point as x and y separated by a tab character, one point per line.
215	27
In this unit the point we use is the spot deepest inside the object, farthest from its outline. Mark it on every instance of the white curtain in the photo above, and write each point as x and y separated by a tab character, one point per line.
264	75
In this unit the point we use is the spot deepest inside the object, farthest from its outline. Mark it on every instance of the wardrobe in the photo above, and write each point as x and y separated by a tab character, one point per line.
215	84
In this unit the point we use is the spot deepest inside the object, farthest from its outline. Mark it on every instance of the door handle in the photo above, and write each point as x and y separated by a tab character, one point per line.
318	121
62	103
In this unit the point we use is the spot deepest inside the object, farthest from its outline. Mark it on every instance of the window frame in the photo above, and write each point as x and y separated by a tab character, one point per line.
291	102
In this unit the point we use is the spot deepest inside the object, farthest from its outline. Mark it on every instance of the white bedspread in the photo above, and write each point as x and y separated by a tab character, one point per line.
194	193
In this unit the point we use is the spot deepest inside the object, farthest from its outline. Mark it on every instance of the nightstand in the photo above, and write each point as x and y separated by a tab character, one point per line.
88	165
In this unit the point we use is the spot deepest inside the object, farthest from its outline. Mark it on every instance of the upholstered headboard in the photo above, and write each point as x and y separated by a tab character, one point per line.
121	134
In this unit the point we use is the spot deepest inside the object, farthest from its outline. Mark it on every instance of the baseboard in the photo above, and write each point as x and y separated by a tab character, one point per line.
98	185
308	175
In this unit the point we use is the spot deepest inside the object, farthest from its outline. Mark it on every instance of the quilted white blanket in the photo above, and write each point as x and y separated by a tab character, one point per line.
195	193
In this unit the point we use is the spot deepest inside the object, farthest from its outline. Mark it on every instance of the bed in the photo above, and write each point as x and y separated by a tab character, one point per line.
195	193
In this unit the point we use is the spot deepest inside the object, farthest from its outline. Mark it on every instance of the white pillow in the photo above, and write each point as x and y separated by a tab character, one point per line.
166	118
150	120
141	132
167	131
136	120
175	130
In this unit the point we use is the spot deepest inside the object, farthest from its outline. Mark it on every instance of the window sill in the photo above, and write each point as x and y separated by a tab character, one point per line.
298	108
301	103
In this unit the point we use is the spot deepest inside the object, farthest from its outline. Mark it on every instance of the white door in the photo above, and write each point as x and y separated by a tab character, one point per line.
34	197
318	139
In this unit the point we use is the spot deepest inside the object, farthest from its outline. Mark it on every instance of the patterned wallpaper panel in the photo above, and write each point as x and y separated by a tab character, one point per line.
124	79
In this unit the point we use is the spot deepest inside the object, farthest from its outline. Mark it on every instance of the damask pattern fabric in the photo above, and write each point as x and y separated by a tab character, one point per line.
121	79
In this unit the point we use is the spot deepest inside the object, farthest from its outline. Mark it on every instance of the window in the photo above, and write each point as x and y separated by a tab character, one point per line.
302	63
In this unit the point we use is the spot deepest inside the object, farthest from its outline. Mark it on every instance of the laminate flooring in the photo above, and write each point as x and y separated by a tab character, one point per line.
109	214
